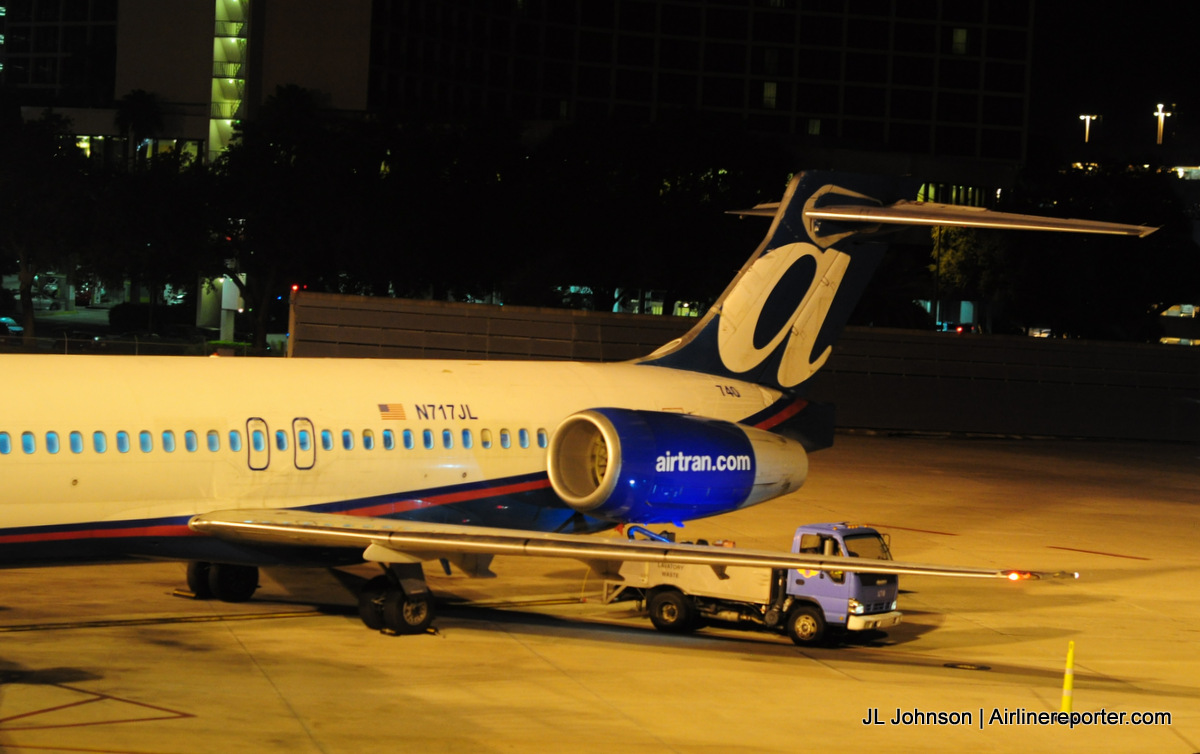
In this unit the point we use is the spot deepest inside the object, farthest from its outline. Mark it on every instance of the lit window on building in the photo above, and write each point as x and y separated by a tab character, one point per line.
770	88
959	44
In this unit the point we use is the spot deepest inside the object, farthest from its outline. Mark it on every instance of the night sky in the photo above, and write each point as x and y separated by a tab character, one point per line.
1089	58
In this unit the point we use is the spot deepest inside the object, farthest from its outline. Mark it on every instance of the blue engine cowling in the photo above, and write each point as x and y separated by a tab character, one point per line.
655	467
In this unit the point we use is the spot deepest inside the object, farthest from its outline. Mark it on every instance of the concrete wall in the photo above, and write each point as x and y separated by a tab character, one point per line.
878	379
941	382
325	324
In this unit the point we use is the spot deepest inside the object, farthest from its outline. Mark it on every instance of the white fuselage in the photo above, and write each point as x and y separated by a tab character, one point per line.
89	439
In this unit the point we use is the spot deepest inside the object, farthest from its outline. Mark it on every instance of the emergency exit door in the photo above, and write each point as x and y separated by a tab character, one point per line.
305	441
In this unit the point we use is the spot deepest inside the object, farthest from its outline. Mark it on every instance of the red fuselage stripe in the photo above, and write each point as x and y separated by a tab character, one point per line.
162	530
181	530
788	412
449	498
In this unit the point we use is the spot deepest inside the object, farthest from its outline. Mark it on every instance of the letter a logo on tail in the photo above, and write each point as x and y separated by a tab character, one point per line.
776	323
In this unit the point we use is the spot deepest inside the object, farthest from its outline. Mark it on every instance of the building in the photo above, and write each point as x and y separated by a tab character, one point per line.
933	88
204	64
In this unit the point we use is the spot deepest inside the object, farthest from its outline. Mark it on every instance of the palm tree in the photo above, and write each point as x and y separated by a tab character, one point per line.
139	117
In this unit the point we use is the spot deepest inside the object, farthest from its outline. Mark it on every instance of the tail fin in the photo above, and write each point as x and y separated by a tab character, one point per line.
777	321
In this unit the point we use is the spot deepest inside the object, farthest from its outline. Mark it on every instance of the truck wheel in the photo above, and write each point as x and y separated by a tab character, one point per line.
806	625
671	611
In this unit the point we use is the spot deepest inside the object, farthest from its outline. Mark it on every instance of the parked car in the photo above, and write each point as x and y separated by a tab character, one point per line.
9	326
964	328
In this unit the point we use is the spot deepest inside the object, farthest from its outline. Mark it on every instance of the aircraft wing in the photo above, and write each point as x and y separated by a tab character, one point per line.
387	540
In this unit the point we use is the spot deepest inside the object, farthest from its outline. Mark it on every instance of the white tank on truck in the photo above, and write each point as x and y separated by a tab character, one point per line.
806	605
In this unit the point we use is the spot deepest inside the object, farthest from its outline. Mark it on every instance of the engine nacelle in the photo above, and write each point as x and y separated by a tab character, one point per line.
656	467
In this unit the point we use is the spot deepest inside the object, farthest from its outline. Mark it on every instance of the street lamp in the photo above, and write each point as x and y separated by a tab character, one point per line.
1161	116
1087	125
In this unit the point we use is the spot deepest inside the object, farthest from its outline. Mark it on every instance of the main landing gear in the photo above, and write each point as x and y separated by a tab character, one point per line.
397	602
223	581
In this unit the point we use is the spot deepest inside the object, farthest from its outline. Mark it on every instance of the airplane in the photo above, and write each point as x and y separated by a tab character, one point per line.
232	464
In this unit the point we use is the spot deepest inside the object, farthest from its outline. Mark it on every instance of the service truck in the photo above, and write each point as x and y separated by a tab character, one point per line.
807	605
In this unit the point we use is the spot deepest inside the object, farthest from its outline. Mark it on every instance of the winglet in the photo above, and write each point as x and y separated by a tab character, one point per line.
1012	575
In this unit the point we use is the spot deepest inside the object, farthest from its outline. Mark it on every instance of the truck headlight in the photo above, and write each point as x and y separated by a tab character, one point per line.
895	604
854	607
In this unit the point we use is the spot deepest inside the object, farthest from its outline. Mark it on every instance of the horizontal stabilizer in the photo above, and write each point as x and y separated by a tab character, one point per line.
929	213
768	209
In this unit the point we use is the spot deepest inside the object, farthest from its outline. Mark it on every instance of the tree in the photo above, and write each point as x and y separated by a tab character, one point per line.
1082	285
291	191
154	225
644	207
45	199
973	264
139	117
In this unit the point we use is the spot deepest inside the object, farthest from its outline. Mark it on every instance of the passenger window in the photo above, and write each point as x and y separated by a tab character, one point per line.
485	438
389	440
347	439
543	439
523	437
51	442
368	440
214	440
145	441
190	441
281	439
409	443
326	439
447	439
505	439
28	443
5	444
76	441
258	440
467	439
235	441
427	437
123	442
168	439
304	440
99	442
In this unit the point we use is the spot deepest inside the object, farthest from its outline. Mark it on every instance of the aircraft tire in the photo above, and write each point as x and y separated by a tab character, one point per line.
232	583
370	602
407	615
197	579
805	625
671	611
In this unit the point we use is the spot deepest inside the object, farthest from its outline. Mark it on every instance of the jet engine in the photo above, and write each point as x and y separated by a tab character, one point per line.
656	467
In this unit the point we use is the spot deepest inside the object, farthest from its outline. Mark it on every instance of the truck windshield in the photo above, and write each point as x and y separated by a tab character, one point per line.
867	546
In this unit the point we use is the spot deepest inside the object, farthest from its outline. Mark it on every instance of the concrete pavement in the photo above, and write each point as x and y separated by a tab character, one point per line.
104	658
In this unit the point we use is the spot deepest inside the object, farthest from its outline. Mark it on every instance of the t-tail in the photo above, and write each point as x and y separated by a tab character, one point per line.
776	323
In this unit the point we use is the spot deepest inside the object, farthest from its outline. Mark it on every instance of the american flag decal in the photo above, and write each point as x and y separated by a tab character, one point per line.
392	411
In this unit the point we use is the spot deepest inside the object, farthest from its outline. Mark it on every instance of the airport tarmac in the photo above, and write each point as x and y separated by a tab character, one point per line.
106	659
